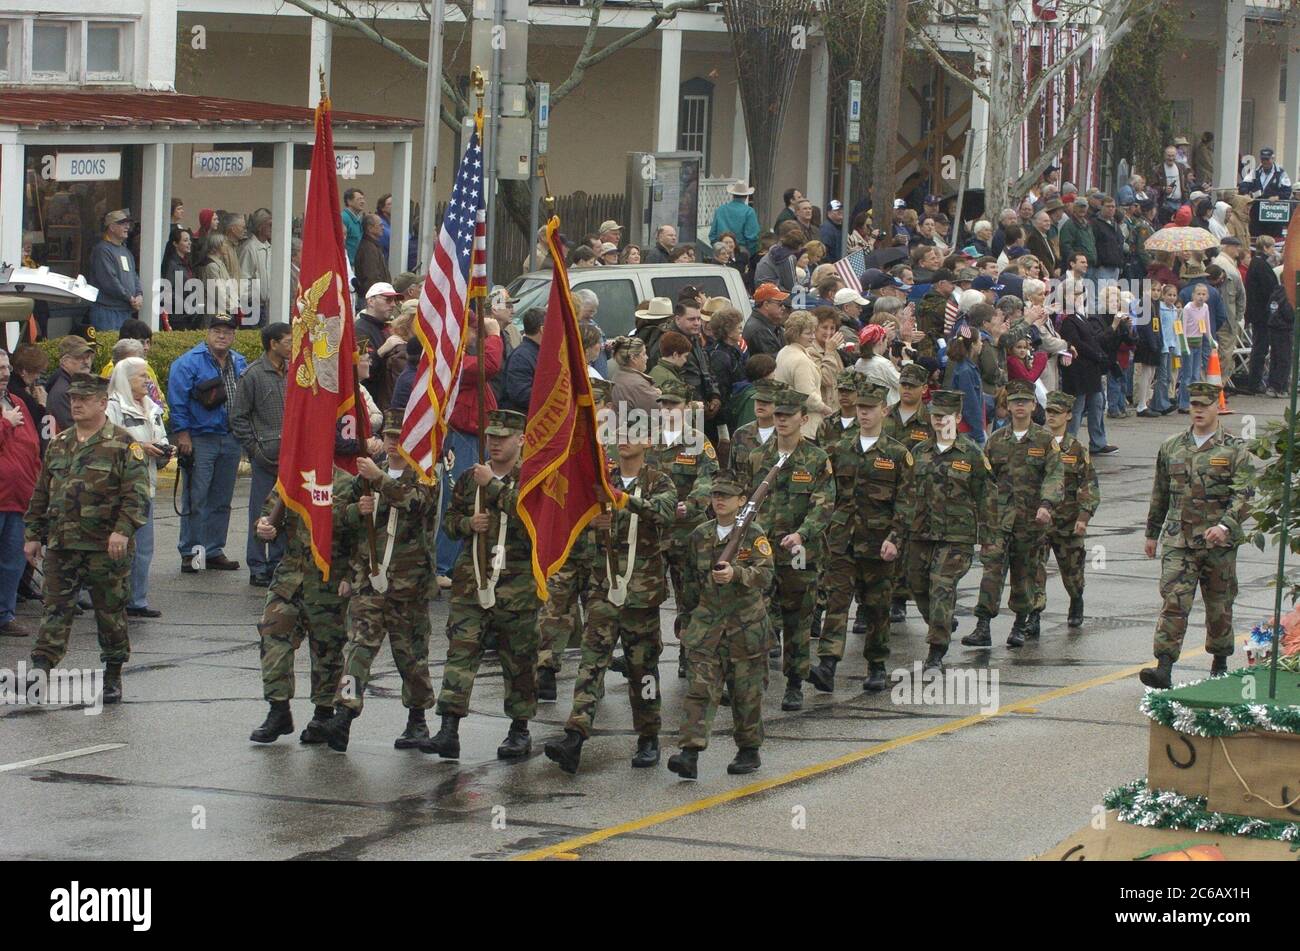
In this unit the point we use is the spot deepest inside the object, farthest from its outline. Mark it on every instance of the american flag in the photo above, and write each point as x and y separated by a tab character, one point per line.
851	267
456	276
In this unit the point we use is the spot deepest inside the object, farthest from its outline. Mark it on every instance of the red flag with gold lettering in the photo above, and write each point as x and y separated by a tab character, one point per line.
564	481
321	384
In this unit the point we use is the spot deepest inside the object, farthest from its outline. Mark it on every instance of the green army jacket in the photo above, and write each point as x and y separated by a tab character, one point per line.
1197	489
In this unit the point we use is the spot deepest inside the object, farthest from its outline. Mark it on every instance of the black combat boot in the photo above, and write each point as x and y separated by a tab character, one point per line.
746	761
823	675
934	659
546	685
981	636
446	742
1219	668
793	699
647	752
314	731
876	679
278	723
112	683
1035	626
1161	675
416	732
38	680
1018	630
897	611
339	729
566	752
518	742
1076	612
685	763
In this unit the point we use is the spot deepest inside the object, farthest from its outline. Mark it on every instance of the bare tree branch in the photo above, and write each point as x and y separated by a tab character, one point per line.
941	60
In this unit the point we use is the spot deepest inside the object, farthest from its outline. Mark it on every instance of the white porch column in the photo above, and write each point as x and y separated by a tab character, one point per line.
670	86
1232	56
11	215
739	142
1291	149
401	217
160	45
819	68
979	120
322	42
155	223
281	229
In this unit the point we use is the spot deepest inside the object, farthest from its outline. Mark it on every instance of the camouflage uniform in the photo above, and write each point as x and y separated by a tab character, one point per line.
401	612
653	498
300	603
85	492
832	428
911	434
800	500
1194	491
1028	474
1080	497
728	628
746	438
867	486
950	505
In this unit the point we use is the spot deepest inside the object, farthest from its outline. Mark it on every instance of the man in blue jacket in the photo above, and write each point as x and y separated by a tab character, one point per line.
200	387
522	363
738	217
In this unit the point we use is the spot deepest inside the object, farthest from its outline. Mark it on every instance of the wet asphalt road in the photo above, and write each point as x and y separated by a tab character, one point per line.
851	776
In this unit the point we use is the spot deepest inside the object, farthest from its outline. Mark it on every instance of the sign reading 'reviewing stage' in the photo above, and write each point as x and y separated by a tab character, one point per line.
222	165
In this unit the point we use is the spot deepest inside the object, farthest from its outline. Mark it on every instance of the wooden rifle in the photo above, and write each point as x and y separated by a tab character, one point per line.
746	516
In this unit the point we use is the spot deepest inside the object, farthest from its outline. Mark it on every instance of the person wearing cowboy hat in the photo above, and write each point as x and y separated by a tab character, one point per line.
651	322
737	216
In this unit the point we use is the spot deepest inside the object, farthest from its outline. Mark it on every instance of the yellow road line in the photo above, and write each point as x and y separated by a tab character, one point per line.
568	846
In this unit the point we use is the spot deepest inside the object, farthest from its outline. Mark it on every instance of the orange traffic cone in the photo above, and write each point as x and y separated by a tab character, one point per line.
1215	375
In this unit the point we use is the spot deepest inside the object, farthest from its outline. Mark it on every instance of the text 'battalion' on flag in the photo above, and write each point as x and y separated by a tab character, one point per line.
456	276
564	478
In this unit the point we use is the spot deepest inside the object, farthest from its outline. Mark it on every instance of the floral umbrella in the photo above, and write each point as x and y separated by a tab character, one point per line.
1181	239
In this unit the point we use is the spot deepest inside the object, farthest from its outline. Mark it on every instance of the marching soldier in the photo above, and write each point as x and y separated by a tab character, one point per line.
90	497
753	434
864	538
1198	509
908	422
950	505
729	627
394	601
796	512
627	586
835	428
1026	463
505	604
1080	497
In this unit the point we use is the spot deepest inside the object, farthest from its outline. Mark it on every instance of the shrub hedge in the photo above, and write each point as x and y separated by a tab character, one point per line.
167	346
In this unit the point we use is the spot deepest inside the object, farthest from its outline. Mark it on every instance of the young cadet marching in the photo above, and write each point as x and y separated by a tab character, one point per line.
864	538
796	513
299	602
394	601
627	586
90	498
950	505
690	461
907	422
559	615
1079	500
1026	463
756	433
506	605
728	629
1198	508
838	426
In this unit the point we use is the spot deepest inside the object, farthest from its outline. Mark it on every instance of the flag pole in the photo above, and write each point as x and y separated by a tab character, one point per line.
480	538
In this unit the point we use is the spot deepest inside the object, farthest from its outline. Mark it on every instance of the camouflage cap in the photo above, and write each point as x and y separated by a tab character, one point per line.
727	482
1060	402
393	421
1204	394
872	394
673	391
602	390
504	422
1020	391
85	384
913	374
789	401
848	380
946	402
765	390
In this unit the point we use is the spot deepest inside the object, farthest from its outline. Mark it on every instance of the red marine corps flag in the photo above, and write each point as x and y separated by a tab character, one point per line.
564	481
321	383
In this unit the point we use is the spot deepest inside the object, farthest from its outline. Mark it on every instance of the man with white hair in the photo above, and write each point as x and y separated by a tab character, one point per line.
587	303
1006	218
983	232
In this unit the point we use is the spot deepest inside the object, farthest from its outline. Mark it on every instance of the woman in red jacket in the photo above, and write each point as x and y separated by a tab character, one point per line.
20	462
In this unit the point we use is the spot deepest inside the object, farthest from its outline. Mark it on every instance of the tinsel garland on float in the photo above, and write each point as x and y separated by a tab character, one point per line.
1160	809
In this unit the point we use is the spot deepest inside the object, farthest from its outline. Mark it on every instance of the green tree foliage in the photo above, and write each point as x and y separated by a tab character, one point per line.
1135	112
1268	481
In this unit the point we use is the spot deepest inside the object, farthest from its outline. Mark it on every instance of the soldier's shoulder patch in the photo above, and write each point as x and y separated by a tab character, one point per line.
1055	447
961	465
709	450
987	467
830	470
137	451
883	463
1069	460
684	459
1037	451
1220	461
908	456
763	547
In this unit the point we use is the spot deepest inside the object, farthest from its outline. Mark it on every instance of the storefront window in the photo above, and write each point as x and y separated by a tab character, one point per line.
50	51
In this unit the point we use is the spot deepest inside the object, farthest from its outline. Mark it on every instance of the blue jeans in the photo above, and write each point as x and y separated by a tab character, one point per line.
1094	404
465	449
1160	398
1114	394
140	562
262	556
208	486
1192	370
12	563
108	318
